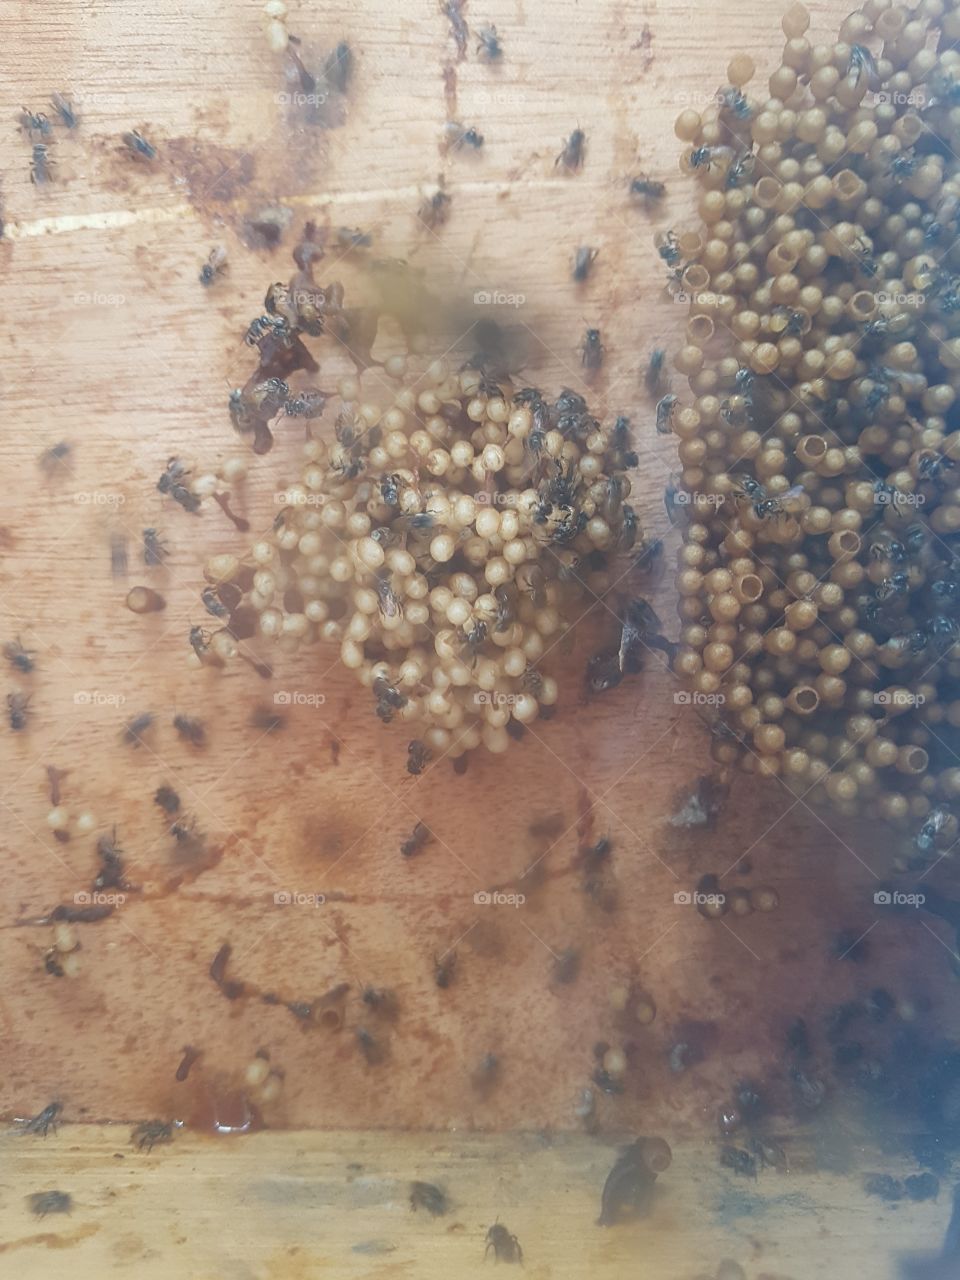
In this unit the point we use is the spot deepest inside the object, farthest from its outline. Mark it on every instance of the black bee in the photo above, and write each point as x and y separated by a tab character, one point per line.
390	489
418	753
897	584
310	403
861	64
20	659
592	350
506	1247
338	68
936	821
44	1120
649	554
65	111
41	165
17	704
443	968
199	641
903	165
134	730
424	1195
353	238
583	262
419	837
212	603
665	407
647	188
154	549
653	378
702	157
531	396
435	210
167	799
150	1132
463	137
668	247
34	124
489	47
740	167
214	267
190	729
739	1161
110	854
733	101
388	603
138	145
933	465
171	482
389	699
55	457
261	326
43	1202
571	157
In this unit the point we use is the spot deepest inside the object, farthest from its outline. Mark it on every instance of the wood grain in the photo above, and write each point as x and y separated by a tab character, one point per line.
112	345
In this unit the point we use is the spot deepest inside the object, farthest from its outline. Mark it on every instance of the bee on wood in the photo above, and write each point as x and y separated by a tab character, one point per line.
424	1195
489	47
190	729
571	157
583	262
154	549
460	136
451	9
435	210
665	407
592	350
34	124
58	455
653	378
629	1184
648	189
267	719
566	966
66	112
418	754
135	729
505	1246
420	836
190	1055
338	68
41	166
443	969
17	710
668	247
353	238
740	1161
44	1120
171	482
110	853
167	799
138	146
20	659
214	267
43	1202
213	604
769	1153
146	1135
370	1047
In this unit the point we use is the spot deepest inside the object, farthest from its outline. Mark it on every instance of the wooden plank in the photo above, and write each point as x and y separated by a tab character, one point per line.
301	1206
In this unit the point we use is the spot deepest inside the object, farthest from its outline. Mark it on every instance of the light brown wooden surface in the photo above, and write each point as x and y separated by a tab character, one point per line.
112	345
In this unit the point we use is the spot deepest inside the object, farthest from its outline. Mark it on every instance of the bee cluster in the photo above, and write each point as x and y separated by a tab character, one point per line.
444	540
819	578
